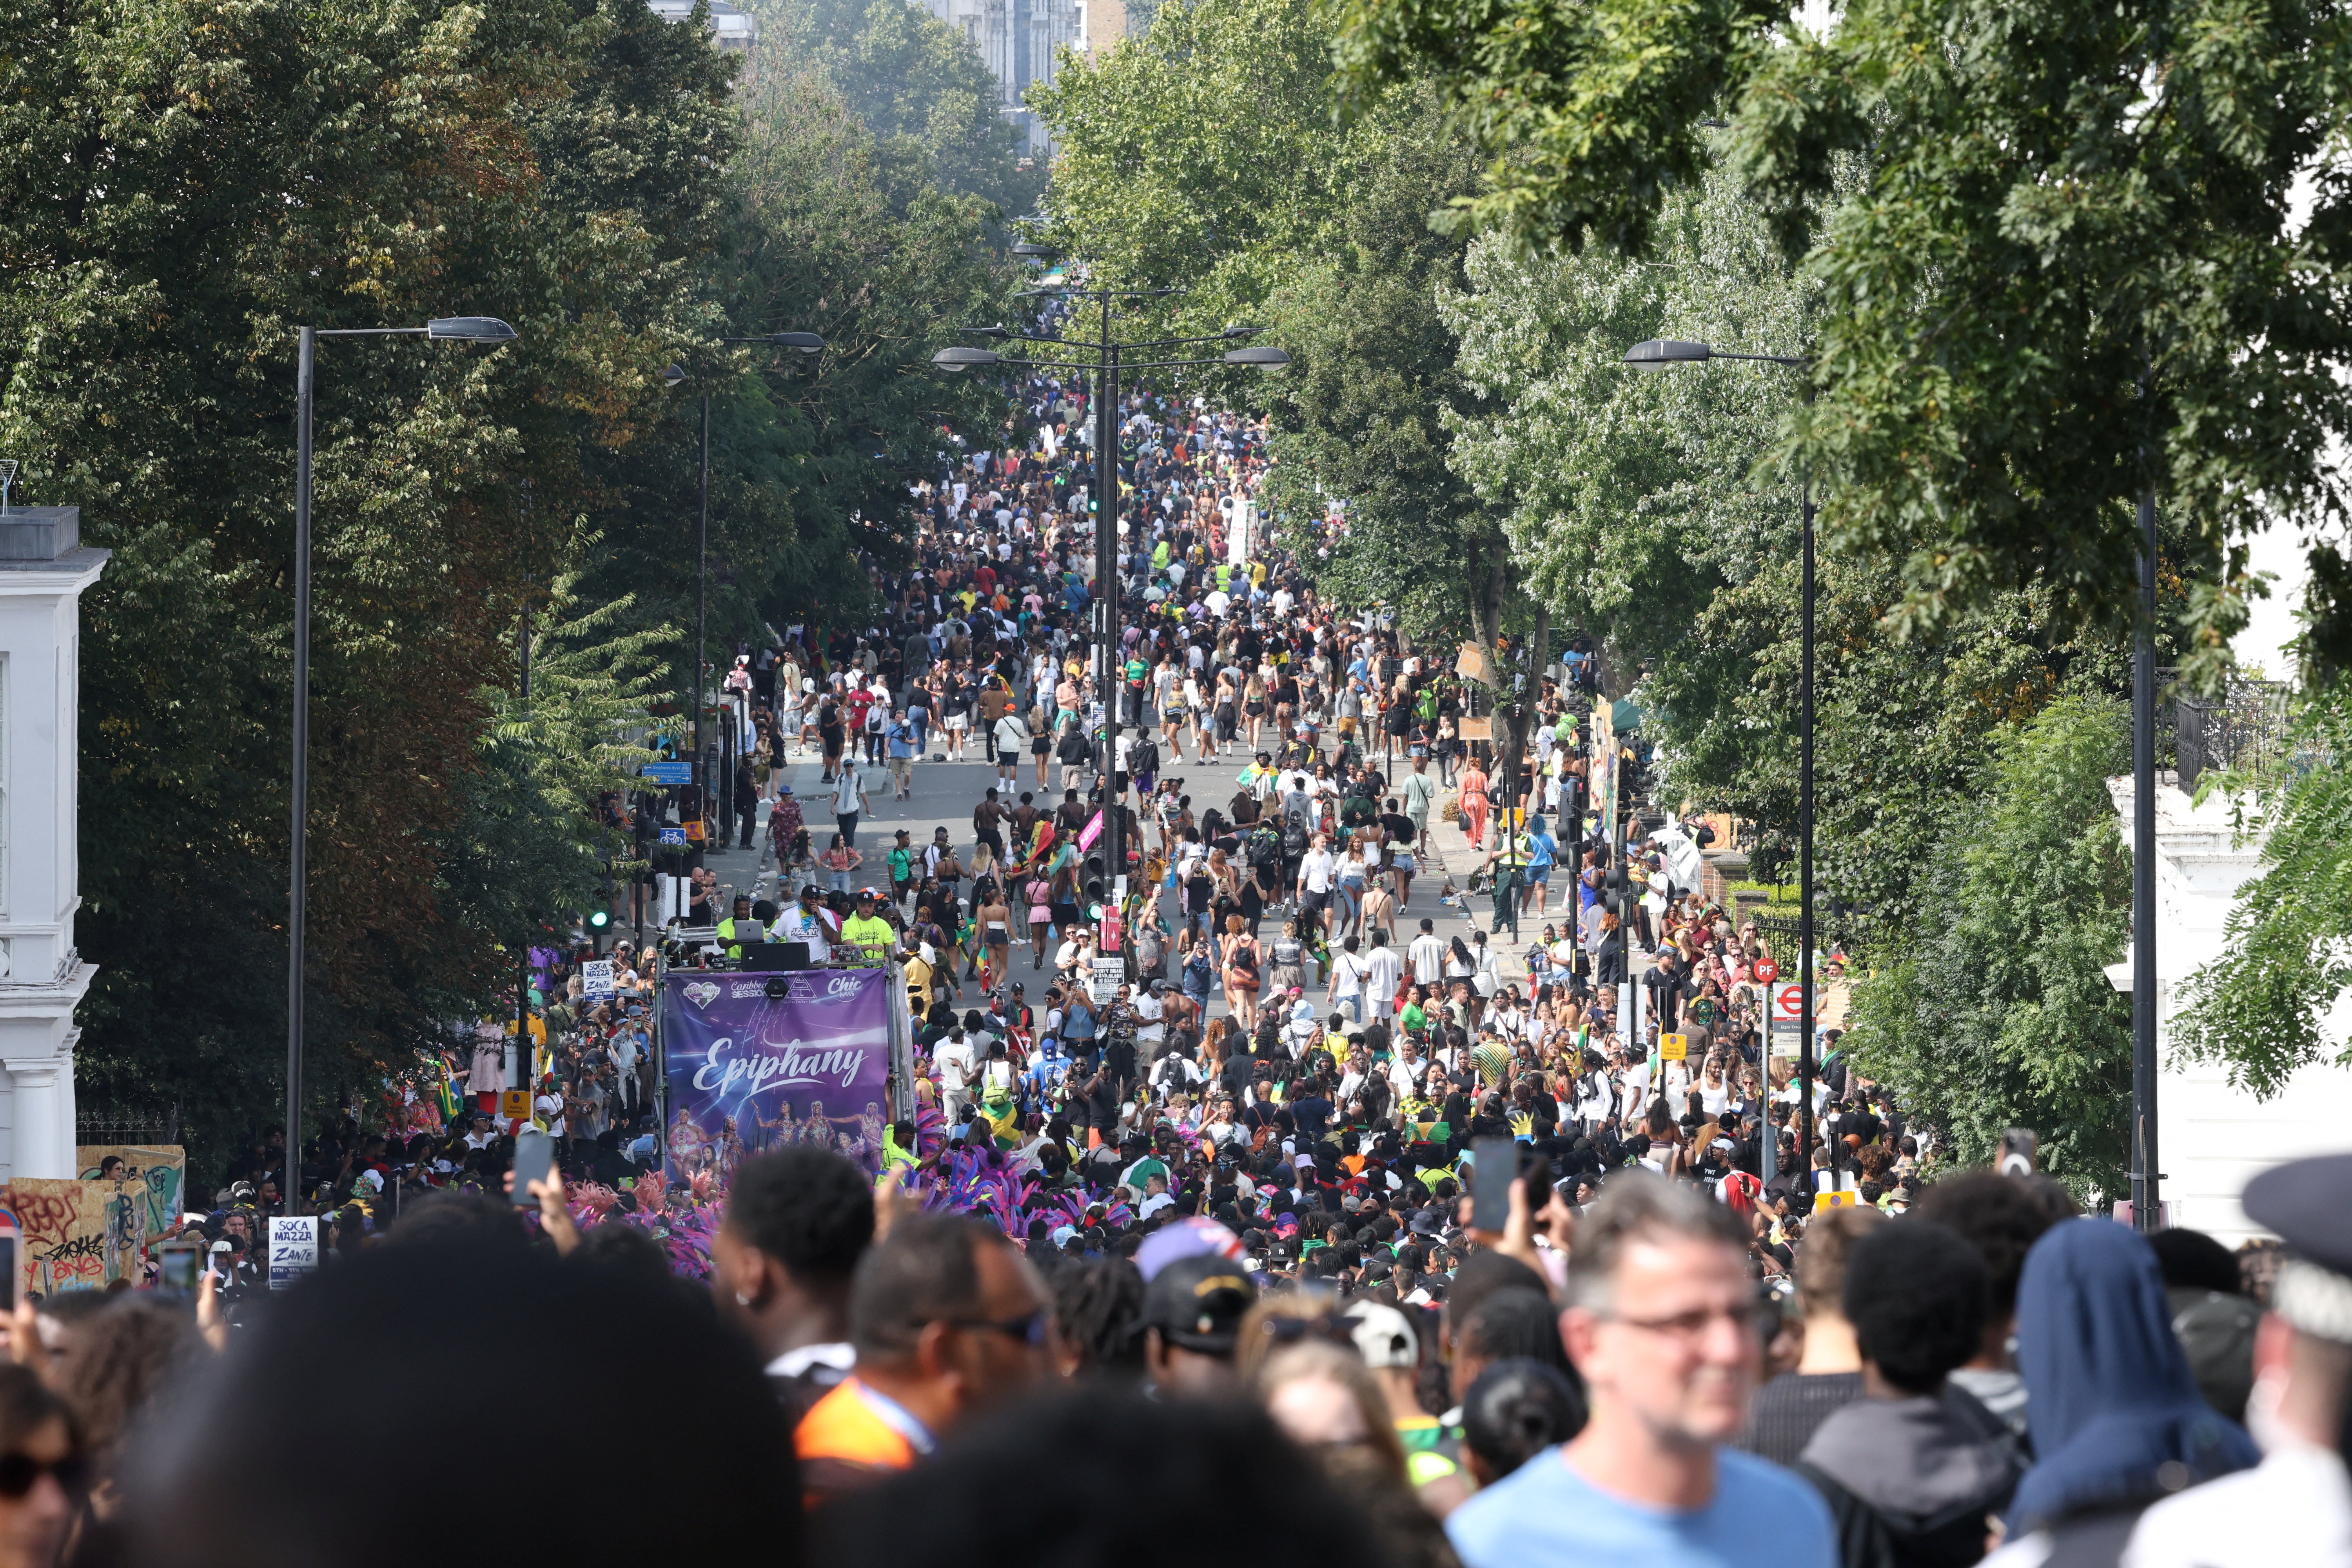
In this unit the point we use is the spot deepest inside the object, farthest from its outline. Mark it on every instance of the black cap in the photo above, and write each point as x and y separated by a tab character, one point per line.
2304	1202
1198	1303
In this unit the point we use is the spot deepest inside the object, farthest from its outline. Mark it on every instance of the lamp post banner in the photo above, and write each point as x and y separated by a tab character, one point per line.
748	1072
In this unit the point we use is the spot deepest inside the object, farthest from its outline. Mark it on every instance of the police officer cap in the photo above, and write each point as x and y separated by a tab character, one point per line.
2304	1202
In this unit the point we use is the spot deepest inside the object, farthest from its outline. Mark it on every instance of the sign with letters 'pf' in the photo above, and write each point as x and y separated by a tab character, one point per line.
750	1072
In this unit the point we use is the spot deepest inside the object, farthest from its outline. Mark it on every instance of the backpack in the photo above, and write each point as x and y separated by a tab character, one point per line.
1264	846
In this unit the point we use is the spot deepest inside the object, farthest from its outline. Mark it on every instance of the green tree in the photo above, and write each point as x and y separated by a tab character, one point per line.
917	85
2070	271
1205	155
1998	1013
182	189
2261	1008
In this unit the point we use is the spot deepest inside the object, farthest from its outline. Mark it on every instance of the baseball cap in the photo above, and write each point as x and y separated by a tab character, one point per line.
1192	1236
1198	1302
1383	1335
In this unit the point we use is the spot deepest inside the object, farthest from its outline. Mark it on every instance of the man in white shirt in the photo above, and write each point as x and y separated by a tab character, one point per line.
848	800
1407	1071
802	922
1315	869
1428	956
1383	973
1348	975
953	1058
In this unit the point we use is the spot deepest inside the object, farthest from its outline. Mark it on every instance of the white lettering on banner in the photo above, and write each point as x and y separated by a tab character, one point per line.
766	1069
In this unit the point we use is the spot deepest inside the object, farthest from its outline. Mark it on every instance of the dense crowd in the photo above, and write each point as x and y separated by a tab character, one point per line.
1368	1198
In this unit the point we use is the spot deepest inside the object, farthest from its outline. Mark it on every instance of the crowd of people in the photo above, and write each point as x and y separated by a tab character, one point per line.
1380	1202
1987	1376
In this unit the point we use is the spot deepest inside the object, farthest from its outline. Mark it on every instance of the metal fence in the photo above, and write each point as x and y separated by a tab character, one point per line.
2245	726
102	1124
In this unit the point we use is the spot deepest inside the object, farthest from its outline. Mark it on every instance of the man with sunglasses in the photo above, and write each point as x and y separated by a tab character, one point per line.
1662	1322
947	1319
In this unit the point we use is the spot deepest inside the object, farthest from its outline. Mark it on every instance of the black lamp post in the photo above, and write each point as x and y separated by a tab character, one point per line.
1105	369
449	328
1660	354
807	344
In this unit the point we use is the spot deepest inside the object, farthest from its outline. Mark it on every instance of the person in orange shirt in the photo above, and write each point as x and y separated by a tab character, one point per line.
1474	803
947	1319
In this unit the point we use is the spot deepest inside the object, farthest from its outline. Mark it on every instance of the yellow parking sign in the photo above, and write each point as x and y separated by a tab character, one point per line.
1674	1048
1835	1201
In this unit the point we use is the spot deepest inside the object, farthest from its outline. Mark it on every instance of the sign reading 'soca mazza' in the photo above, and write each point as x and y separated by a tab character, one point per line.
293	1249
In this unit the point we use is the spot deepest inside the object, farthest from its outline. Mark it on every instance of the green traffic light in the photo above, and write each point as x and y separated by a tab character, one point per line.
599	919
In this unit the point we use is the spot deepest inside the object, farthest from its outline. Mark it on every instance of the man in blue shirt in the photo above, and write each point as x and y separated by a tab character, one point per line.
1542	848
905	745
1662	1322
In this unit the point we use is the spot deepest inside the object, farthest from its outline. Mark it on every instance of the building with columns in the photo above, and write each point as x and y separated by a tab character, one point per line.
43	571
1017	38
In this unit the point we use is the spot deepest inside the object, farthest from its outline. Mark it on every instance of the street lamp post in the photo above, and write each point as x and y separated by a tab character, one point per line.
449	328
2146	1201
1105	369
807	344
1660	354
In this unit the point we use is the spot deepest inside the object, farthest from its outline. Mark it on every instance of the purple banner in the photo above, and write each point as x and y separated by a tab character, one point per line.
750	1072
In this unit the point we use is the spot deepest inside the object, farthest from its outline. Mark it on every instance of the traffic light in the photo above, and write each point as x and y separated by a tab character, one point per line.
599	920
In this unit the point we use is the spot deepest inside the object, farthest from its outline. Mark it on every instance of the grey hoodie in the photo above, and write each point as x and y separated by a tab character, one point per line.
1917	1459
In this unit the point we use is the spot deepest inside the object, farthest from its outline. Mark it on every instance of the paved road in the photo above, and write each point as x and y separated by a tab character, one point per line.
946	791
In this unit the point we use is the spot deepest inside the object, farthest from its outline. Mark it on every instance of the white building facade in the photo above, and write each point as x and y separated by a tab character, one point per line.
1018	40
43	571
2210	1138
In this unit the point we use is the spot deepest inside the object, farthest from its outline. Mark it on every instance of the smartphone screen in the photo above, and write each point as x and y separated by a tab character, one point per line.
181	1267
534	1155
1497	1166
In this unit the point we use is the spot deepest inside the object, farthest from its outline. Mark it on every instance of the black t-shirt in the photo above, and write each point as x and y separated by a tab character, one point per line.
1311	1111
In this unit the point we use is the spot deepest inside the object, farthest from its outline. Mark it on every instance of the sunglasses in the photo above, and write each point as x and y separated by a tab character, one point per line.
20	1472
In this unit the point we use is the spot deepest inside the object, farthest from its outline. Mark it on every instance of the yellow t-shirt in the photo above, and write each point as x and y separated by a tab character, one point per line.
871	933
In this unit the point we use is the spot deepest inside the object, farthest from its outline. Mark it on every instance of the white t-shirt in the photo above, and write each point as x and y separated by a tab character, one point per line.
1348	972
1383	969
955	1061
845	790
796	924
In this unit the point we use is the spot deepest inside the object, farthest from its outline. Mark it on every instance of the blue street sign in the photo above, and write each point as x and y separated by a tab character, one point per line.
673	835
670	773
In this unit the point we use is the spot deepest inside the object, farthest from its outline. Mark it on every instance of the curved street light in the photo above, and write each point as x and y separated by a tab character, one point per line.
445	329
676	375
1104	372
